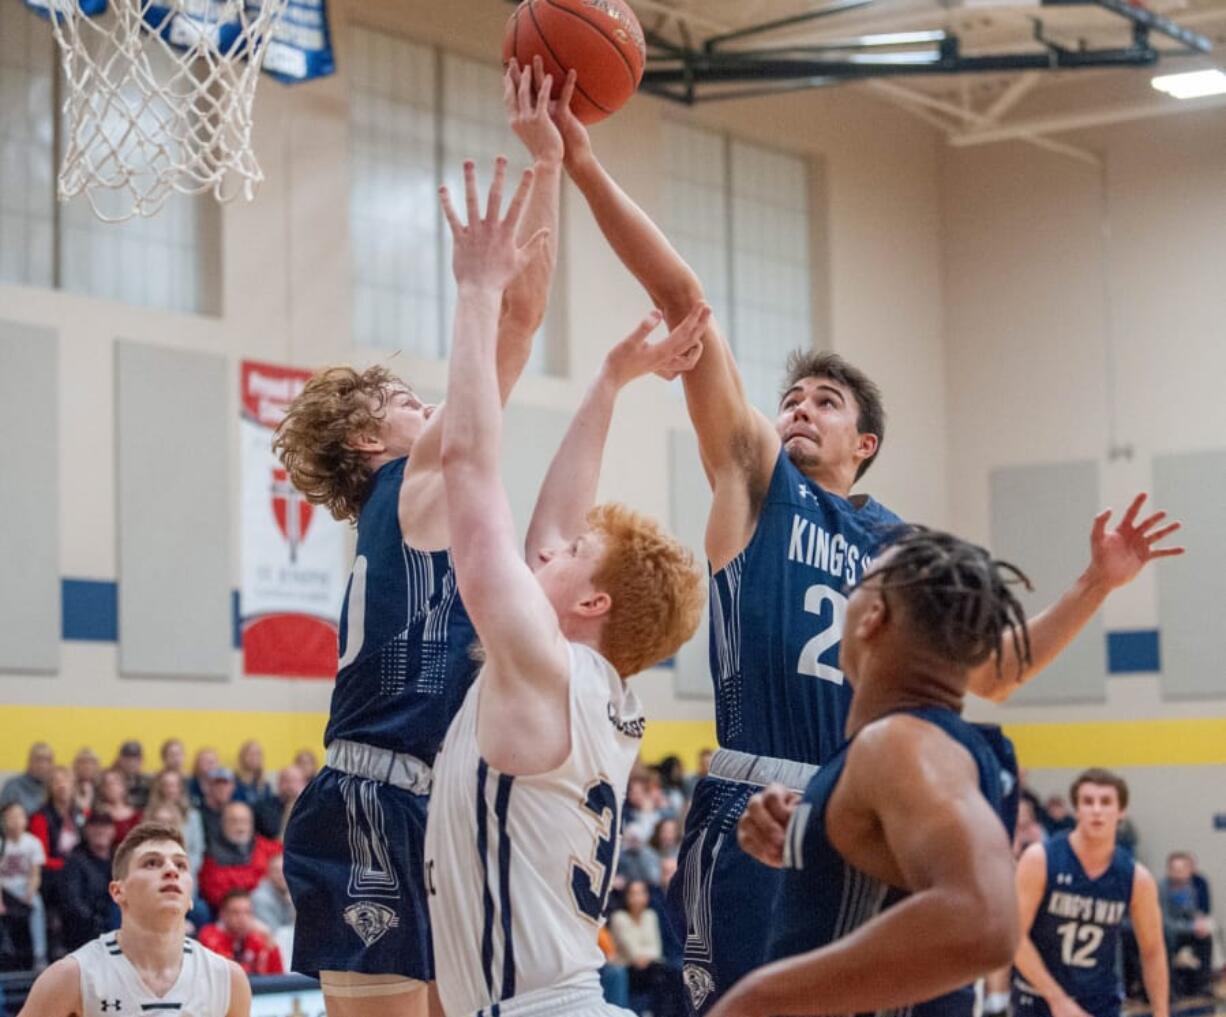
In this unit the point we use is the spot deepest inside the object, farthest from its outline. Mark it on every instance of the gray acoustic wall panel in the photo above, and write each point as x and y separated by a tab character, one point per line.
1041	518
1192	588
173	460
689	497
29	499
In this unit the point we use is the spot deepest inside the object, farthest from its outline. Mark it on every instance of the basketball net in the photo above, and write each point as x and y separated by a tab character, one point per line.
158	99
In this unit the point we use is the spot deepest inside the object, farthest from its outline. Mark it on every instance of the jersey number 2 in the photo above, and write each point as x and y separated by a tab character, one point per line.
1079	943
601	801
816	597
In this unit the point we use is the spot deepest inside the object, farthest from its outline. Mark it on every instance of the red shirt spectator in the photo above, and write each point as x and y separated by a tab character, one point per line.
234	936
57	824
238	860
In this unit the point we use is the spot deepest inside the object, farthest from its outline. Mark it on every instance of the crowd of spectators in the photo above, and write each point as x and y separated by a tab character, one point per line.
59	828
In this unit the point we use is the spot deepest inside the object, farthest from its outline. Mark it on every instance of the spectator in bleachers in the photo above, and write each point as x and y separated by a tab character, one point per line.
30	788
1056	816
234	935
273	908
21	870
238	860
218	793
636	931
130	763
704	767
666	840
637	861
672	783
1189	930
173	755
307	762
271	813
57	825
206	762
86	769
113	799
614	978
170	789
1204	899
251	785
87	906
1029	830
640	813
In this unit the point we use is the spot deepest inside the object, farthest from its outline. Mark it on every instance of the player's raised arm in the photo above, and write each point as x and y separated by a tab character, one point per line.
1146	913
1117	556
737	443
1031	886
569	489
952	854
516	622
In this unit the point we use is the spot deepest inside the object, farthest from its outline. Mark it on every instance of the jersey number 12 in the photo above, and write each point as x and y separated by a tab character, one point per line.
1079	943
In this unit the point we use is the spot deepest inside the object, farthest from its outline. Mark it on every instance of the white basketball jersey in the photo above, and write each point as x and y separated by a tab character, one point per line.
111	987
519	868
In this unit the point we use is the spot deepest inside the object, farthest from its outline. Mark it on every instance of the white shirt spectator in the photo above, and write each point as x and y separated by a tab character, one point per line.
18	861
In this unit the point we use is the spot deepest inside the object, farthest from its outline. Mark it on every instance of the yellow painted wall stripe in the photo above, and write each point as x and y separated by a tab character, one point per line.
1196	741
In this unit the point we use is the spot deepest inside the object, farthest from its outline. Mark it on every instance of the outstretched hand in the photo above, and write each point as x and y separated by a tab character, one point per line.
675	354
1118	555
526	94
485	253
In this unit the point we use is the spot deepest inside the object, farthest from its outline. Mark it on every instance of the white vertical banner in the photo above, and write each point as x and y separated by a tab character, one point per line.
293	553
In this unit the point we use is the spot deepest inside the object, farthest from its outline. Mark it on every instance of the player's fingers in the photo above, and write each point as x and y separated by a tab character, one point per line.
568	89
1150	521
1153	538
525	91
646	326
1100	525
449	212
542	96
780	803
470	191
516	208
1167	552
510	87
494	205
538	72
1134	510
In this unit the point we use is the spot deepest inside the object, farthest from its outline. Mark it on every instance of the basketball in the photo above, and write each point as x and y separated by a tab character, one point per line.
600	39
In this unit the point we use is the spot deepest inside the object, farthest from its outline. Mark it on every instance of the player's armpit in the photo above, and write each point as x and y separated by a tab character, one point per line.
56	992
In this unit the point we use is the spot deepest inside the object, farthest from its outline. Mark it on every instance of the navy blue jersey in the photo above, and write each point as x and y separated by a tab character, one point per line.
1077	927
406	641
777	617
822	898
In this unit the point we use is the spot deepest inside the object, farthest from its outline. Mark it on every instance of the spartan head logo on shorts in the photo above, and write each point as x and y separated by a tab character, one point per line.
370	920
699	983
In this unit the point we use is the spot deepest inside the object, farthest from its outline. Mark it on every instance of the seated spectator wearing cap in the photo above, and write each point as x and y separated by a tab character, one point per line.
238	860
250	784
170	789
113	799
57	825
236	937
272	813
130	762
218	788
30	788
86	769
206	762
87	909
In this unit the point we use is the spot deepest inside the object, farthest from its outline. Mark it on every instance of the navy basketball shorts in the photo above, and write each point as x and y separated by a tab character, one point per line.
354	851
720	900
1027	1003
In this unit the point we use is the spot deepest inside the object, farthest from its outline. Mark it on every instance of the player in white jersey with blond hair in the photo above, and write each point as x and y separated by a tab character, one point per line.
522	836
147	966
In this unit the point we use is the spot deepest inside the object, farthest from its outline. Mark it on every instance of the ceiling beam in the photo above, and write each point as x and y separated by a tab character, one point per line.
1017	90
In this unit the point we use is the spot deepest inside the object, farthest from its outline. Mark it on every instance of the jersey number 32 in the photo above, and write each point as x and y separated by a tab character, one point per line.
590	881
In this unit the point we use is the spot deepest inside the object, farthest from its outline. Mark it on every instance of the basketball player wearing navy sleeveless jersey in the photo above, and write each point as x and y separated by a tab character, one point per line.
785	536
897	887
148	965
1073	893
522	840
368	448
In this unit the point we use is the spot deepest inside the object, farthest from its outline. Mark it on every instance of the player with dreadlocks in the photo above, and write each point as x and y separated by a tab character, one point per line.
899	889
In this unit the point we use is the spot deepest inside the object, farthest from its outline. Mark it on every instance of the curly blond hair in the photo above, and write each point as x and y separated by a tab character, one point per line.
655	586
312	441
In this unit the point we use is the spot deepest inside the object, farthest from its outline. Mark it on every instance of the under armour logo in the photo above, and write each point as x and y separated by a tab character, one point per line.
803	488
107	1005
1064	878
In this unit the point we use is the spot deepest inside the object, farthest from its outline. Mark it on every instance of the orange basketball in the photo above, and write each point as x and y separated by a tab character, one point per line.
601	39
